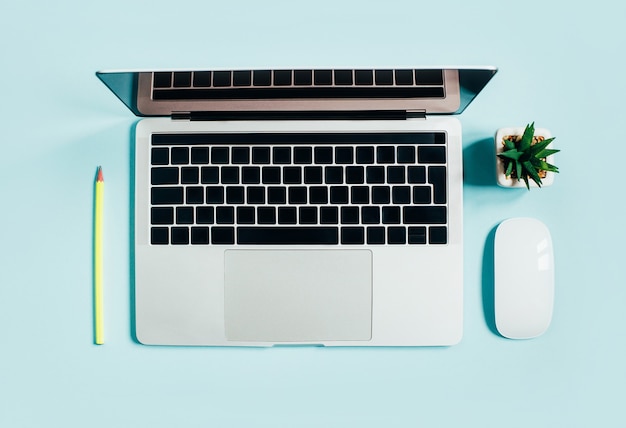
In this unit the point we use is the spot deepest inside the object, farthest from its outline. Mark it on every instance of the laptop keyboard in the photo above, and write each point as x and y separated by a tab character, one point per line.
298	189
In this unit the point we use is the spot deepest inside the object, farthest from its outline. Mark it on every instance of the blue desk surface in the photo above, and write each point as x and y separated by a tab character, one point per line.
561	66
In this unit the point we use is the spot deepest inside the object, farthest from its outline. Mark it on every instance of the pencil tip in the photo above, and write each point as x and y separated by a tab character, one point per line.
100	176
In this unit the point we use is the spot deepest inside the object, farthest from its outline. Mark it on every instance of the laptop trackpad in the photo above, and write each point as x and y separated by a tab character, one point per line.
298	295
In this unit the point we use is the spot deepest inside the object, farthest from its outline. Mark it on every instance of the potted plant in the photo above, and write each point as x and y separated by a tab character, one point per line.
523	157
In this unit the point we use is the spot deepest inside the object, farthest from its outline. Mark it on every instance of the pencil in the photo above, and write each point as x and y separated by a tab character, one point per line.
97	259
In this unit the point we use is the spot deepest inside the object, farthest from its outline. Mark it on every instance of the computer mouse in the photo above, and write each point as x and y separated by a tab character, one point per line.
524	278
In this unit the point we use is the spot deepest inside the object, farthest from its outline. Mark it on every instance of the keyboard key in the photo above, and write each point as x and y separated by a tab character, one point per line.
219	155
352	235
355	174
438	235
286	215
288	235
241	155
214	195
224	215
209	175
339	195
406	154
182	79
159	236
424	214
416	174
234	195
166	175
375	174
276	195
221	78
180	155
404	77
194	195
307	215
302	77
282	155
417	235
401	195
349	215
262	78
391	215
385	154
230	175
370	215
396	235
375	235
184	215
323	155
343	77
360	195
245	215
162	79
365	154
421	195
204	215
333	174
437	177
318	195
384	77
297	195
250	175
162	215
292	175
323	77
329	215
266	215
381	194
429	154
189	175
260	155
202	79
282	77
222	235
271	175
429	77
180	235
363	77
313	175
166	195
395	174
160	156
199	235
344	155
302	155
242	78
255	195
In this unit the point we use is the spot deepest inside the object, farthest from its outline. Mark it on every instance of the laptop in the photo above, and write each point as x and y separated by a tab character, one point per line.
298	206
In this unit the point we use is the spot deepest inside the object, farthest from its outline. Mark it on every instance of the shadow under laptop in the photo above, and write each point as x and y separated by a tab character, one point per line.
131	235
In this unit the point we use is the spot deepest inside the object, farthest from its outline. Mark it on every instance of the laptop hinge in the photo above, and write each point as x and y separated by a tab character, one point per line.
299	115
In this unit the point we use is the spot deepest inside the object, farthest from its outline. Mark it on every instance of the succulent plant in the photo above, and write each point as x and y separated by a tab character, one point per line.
525	157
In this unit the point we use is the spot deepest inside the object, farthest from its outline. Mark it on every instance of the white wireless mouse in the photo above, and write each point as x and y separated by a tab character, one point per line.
524	278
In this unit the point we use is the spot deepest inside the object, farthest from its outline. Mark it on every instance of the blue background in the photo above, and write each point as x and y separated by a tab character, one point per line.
560	65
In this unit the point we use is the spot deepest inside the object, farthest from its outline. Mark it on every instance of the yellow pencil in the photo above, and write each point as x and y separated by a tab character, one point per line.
97	259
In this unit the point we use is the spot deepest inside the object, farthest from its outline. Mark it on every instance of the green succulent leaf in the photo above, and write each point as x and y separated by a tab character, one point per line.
532	172
509	169
510	145
526	181
527	138
518	169
511	154
540	146
547	152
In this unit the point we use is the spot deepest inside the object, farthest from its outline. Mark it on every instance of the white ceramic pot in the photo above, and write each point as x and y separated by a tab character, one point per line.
505	181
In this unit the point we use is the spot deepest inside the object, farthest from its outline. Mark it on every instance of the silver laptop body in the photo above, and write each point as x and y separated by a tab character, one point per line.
318	207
